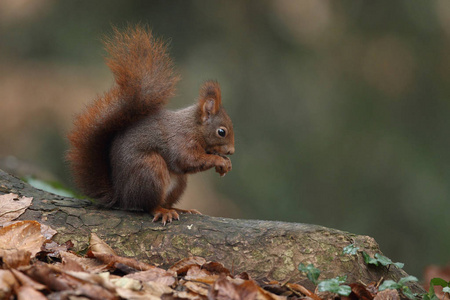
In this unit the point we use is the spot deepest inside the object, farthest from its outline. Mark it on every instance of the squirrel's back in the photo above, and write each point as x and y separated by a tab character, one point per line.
145	80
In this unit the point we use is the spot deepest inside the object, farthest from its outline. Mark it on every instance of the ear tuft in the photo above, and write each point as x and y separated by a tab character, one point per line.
210	99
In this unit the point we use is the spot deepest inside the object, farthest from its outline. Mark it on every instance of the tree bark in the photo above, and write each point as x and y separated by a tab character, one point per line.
263	249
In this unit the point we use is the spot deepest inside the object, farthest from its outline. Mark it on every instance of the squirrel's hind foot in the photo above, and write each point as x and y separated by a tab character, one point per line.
166	215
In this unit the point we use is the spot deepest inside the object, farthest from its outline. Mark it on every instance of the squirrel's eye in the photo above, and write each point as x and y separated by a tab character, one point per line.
222	132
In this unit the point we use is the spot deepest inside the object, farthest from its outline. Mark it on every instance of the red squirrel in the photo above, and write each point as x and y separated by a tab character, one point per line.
128	151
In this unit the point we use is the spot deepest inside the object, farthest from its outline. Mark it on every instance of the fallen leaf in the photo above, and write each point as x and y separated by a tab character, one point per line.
13	259
27	281
102	279
181	267
26	292
127	283
243	275
112	260
73	262
96	244
155	274
197	274
23	235
96	292
136	295
228	288
12	206
187	295
360	292
278	289
224	289
50	277
387	295
52	249
156	289
216	268
7	284
197	287
301	289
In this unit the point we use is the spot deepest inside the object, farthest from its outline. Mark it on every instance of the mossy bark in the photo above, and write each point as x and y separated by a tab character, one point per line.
264	249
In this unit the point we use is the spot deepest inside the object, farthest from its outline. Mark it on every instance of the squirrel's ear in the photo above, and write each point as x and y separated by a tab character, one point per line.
210	99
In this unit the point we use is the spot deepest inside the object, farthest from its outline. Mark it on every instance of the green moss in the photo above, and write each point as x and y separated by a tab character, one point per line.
280	274
179	241
198	251
258	255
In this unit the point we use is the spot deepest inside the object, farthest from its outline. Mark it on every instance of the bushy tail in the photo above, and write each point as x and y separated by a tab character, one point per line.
145	81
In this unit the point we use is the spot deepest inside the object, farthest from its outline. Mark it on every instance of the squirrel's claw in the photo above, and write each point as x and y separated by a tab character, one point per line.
166	215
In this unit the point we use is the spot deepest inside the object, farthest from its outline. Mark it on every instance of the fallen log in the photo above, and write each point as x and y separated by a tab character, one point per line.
264	249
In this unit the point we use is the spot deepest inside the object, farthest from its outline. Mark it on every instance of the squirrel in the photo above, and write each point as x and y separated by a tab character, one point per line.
128	151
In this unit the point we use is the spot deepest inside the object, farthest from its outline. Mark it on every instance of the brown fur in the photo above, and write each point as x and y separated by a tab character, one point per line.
127	150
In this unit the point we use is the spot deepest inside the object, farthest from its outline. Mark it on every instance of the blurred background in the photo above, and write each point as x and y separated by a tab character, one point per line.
341	108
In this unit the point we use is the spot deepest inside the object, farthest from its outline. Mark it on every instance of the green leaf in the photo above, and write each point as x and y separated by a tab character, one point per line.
52	187
406	279
446	289
439	281
333	285
389	285
383	260
350	249
380	259
408	293
311	272
369	260
344	290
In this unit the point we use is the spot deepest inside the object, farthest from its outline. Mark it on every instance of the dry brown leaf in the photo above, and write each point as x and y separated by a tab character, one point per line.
156	289
228	288
187	295
52	249
24	235
102	280
387	295
26	292
301	289
136	295
197	287
73	262
360	291
181	267
27	281
7	284
93	291
112	260
243	275
67	295
216	268
12	206
196	272
13	259
96	244
155	274
50	276
127	283
208	279
224	289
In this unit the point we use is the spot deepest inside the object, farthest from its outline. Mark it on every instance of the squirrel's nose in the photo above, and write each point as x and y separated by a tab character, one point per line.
230	151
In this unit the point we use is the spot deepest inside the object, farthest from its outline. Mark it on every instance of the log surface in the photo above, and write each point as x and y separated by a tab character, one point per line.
263	249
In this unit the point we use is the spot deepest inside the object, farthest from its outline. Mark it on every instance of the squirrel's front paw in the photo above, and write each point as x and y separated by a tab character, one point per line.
224	166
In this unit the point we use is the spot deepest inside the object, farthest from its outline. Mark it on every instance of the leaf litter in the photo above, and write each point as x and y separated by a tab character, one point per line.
32	266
